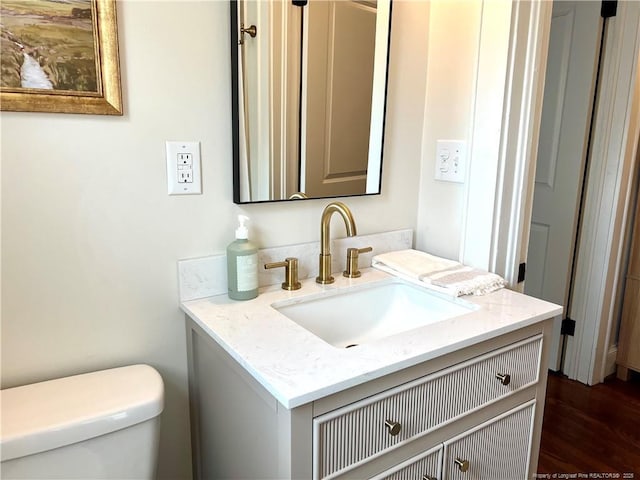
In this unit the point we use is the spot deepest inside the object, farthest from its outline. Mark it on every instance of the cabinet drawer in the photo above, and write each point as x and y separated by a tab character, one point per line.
498	449
355	433
425	465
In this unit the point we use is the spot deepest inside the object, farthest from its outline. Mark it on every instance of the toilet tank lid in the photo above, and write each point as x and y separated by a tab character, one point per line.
55	413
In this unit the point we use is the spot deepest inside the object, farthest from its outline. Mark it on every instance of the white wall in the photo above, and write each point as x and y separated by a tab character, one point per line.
466	86
90	238
454	36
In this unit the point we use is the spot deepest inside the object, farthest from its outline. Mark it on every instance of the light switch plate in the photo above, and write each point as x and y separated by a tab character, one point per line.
451	160
183	168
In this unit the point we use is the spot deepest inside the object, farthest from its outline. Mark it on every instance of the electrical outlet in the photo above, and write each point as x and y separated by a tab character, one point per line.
183	168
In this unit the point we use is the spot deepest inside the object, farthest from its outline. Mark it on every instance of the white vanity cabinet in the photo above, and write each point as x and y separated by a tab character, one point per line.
426	466
496	449
357	432
468	414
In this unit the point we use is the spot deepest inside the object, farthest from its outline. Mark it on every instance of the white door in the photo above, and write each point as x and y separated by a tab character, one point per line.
574	47
338	92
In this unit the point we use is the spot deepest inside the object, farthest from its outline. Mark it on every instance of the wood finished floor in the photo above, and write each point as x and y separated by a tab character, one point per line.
591	429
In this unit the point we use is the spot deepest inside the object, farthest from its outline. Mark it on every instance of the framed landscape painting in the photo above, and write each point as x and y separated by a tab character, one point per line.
59	56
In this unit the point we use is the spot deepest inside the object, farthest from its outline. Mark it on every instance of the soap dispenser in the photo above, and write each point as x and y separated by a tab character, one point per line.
242	264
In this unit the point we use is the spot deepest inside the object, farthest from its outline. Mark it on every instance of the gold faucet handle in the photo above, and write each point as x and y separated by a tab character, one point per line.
352	261
290	265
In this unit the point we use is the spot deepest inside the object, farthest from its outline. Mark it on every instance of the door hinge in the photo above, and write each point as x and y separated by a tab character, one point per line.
299	3
568	327
609	8
522	270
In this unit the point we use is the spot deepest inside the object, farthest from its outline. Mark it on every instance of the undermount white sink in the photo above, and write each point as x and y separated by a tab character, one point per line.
358	315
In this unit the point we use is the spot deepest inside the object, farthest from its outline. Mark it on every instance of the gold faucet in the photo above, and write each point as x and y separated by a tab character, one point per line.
324	268
298	195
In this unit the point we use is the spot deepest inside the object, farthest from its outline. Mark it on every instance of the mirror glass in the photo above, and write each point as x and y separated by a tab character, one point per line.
309	81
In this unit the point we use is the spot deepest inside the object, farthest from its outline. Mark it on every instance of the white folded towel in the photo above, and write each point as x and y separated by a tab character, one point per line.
447	276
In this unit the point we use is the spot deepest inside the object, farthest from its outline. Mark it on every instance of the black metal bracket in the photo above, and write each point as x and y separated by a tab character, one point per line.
522	270
568	327
609	8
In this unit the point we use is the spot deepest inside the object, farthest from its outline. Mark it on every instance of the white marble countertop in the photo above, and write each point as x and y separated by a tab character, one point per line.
297	367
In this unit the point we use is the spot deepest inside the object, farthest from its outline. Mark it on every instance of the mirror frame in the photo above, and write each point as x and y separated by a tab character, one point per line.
234	29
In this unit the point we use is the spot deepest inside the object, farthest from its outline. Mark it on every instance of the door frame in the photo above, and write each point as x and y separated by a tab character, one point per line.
601	246
607	205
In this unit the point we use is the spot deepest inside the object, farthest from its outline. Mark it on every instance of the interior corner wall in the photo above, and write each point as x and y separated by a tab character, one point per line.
454	37
630	205
90	238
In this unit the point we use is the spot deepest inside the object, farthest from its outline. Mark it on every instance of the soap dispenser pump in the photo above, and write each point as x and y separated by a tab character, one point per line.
242	264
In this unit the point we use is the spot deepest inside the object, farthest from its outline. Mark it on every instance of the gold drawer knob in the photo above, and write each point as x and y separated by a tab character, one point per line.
428	477
393	427
505	378
463	465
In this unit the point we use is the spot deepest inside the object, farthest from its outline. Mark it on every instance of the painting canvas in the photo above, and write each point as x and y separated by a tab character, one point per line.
59	56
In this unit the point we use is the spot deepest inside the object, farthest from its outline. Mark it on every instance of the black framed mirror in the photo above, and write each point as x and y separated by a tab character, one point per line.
309	85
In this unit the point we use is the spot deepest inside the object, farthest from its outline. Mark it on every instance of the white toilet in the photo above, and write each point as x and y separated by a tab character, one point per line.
100	425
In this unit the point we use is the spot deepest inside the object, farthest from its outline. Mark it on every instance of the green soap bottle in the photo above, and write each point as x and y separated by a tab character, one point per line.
242	264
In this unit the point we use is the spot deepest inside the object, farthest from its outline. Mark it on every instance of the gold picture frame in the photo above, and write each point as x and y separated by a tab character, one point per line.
103	98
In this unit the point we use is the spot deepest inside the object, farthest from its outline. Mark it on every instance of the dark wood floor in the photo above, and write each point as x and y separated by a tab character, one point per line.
589	430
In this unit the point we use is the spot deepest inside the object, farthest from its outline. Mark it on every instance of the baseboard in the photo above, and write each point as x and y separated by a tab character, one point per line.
610	365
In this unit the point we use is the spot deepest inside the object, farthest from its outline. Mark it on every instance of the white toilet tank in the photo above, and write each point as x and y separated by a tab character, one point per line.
100	425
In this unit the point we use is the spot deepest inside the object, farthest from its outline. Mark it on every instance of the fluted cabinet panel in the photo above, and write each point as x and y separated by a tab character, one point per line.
498	449
353	434
426	465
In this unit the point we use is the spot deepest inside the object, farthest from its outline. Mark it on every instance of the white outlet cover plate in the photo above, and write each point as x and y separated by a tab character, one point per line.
174	187
451	160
